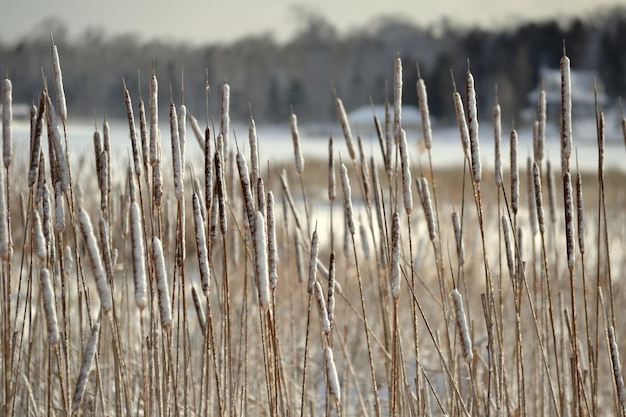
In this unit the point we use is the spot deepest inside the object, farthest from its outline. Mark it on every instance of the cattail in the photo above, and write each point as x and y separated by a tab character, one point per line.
514	173
345	127
244	178
197	132
536	145
143	134
568	202
538	197
54	136
7	121
88	355
541	125
153	104
321	306
40	240
254	150
208	170
105	247
581	213
313	262
601	143
162	285
199	311
157	184
461	322
347	199
530	189
395	257
331	375
272	252
295	137
221	191
617	367
497	134
406	173
46	222
330	308
58	84
177	167
472	117
566	112
422	99
462	123
332	188
182	134
201	245
428	208
49	308
59	208
97	267
261	270
225	115
5	239
389	139
260	193
458	237
397	98
36	139
97	148
139	267
133	132
508	247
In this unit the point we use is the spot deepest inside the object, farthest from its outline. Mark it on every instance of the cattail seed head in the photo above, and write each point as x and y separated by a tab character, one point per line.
36	139
225	115
244	178
510	260
261	270
5	239
49	307
313	262
497	134
58	84
153	104
397	98
331	289
162	284
7	121
530	189
295	138
347	199
458	237
472	117
422	99
331	375
538	198
332	188
133	132
199	311
617	367
88	355
139	255
201	245
428	208
461	322
40	240
272	251
395	257
177	167
581	213
321	306
514	173
254	150
345	127
568	203
95	259
197	132
143	134
462	123
406	173
566	113
541	125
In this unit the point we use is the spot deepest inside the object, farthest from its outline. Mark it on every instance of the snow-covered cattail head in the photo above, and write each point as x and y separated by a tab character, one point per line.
295	138
58	84
261	267
102	284
331	375
7	121
461	322
514	173
49	307
347	199
313	262
497	134
138	255
472	117
345	127
395	257
422	99
162	284
406	173
88	355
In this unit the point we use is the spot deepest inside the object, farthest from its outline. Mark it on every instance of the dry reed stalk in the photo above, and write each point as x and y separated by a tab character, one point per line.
331	375
345	127
58	84
395	257
461	322
35	147
153	104
138	256
199	310
497	135
406	173
88	356
49	308
272	249
422	99
261	265
397	98
514	172
201	245
106	302
458	238
162	284
472	117
7	122
566	112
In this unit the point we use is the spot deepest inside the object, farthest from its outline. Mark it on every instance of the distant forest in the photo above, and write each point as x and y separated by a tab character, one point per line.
271	78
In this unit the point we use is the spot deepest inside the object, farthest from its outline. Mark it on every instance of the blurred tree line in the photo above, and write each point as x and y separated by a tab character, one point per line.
271	78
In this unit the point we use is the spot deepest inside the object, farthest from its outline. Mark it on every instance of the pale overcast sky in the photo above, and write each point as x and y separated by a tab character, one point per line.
199	21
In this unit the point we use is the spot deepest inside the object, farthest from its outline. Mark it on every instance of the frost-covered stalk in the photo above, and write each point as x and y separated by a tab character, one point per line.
397	98
313	262
225	116
321	306
88	355
472	117
566	113
177	167
261	266
458	237
345	127
106	302
295	138
331	375
461	322
58	84
422	99
49	308
406	173
201	245
54	135
139	254
162	285
395	257
272	252
7	121
347	198
153	104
